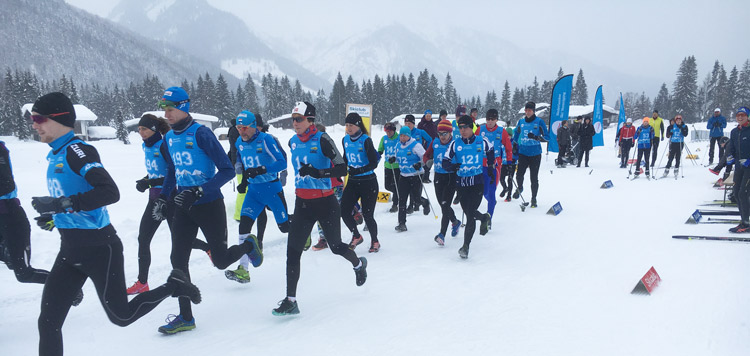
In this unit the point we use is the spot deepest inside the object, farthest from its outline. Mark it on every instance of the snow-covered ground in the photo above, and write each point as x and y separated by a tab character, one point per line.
536	284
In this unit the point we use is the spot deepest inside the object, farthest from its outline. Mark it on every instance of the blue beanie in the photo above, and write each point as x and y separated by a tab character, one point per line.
744	110
178	96
405	131
246	118
428	111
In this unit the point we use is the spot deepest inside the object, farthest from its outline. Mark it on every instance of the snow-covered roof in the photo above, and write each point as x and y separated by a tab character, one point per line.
102	132
82	112
280	118
575	110
400	118
221	131
196	116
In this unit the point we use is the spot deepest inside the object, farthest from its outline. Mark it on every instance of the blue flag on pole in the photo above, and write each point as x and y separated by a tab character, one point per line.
598	120
559	108
622	117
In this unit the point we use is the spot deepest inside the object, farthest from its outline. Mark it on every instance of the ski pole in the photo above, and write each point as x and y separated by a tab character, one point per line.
661	160
395	182
687	149
525	203
428	198
635	152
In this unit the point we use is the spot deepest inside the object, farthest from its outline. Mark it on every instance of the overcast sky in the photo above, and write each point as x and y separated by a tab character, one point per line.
649	37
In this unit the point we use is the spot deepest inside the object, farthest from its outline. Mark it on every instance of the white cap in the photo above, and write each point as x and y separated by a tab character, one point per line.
629	120
717	110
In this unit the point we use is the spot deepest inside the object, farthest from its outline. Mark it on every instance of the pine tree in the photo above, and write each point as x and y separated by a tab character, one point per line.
732	90
580	95
223	102
121	132
433	97
743	87
662	101
560	74
423	91
505	110
379	106
451	97
533	92
517	103
322	106
337	101
685	91
251	102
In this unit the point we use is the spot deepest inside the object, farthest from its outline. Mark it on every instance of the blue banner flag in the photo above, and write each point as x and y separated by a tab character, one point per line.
621	117
559	108
598	120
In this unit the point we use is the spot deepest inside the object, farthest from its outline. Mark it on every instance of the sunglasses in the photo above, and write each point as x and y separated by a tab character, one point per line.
444	133
40	119
492	118
163	104
464	127
299	119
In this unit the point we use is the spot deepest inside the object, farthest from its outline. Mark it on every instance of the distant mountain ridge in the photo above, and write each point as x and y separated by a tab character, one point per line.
215	36
53	38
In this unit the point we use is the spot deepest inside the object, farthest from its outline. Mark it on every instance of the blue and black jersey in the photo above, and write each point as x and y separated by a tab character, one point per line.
75	171
197	160
531	125
261	150
360	155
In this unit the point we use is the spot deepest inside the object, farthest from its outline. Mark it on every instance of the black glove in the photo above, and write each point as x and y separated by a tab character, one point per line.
717	124
142	184
491	174
532	136
428	164
308	170
159	212
45	222
242	187
188	197
50	205
417	166
354	171
256	171
392	159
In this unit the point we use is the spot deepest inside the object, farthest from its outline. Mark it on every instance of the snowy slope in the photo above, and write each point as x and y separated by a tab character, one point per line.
534	285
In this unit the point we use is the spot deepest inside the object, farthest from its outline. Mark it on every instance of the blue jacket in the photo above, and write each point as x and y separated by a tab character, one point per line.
643	136
529	146
738	147
716	125
206	141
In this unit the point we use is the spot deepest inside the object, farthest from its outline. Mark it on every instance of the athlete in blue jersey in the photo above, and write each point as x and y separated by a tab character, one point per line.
198	169
445	180
361	159
424	139
262	160
386	150
79	189
676	134
316	160
151	129
529	132
466	156
409	153
500	141
15	232
643	136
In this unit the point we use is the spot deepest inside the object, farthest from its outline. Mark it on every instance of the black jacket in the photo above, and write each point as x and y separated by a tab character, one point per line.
563	136
586	134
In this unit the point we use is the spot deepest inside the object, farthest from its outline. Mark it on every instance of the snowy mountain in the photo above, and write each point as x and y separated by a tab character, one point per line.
477	61
215	36
53	38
